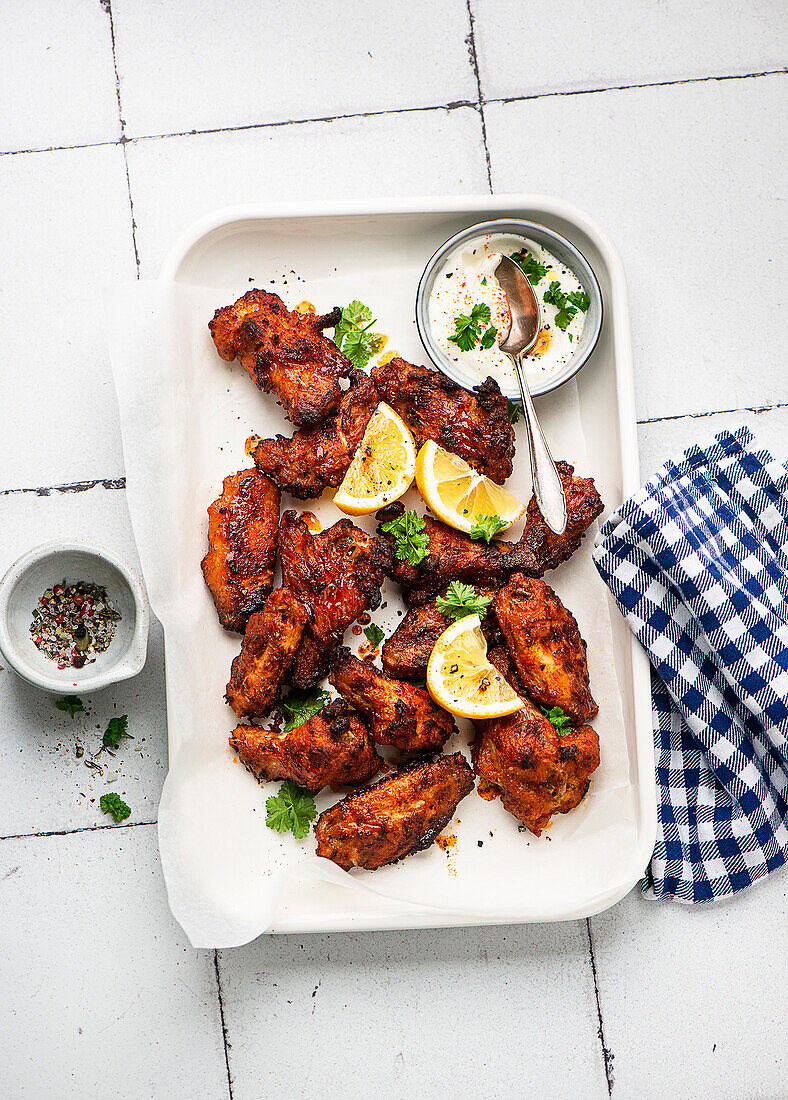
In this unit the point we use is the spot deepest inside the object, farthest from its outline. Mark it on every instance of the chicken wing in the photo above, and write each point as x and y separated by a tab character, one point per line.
398	714
239	565
332	749
474	425
539	547
537	772
545	643
283	352
396	816
337	574
405	654
267	651
315	458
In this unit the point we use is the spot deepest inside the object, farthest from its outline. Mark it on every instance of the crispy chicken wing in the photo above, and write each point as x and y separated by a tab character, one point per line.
315	458
537	772
396	816
332	749
398	714
406	653
267	651
284	352
337	574
539	547
474	425
545	643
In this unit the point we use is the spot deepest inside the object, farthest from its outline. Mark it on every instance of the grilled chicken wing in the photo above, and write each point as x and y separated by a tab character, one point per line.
337	574
283	352
331	749
539	547
474	425
537	772
545	643
395	817
398	714
406	653
315	458
267	651
239	565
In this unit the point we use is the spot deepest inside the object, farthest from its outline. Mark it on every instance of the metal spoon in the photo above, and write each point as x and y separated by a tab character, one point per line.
522	335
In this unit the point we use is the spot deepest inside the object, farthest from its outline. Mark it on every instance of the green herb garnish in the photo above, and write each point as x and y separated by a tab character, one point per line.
461	600
530	266
513	411
561	721
484	527
374	634
468	329
580	299
488	339
352	335
115	731
291	810
566	304
411	541
71	703
300	706
114	804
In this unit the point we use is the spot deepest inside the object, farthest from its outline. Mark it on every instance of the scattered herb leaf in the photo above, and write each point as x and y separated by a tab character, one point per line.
468	329
559	719
461	600
291	810
352	335
513	411
374	634
71	703
484	527
563	303
300	706
113	804
488	340
580	299
115	731
530	266
411	541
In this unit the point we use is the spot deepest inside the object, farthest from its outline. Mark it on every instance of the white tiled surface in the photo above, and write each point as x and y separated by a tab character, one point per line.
97	987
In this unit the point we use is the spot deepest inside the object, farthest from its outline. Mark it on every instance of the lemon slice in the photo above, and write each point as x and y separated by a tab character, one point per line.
457	494
461	679
383	465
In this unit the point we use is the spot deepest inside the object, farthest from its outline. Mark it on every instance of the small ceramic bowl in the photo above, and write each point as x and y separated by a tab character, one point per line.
564	251
77	560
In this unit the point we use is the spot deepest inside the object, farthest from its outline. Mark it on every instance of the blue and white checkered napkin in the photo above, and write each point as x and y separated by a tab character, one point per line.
698	564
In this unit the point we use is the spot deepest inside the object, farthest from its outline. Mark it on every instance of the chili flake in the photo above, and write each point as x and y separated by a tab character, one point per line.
73	623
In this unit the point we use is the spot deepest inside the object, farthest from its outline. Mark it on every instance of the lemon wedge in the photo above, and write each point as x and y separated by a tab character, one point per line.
383	465
461	679
457	493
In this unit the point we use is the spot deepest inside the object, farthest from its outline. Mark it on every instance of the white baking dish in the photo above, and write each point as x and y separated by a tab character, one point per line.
391	241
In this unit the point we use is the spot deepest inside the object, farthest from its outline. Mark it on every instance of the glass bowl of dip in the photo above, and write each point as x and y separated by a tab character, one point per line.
459	277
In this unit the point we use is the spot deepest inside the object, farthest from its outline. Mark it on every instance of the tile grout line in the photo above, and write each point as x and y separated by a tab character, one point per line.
455	105
224	1025
471	44
107	7
716	412
82	829
607	1054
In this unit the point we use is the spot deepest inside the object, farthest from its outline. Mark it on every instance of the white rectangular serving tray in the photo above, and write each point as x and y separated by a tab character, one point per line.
229	247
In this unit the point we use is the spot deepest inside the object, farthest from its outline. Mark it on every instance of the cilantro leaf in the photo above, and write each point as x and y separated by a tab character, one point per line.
374	634
564	316
488	340
530	266
113	804
411	541
554	296
115	731
461	600
480	312
359	346
300	706
513	411
71	703
484	527
580	299
467	329
291	810
561	721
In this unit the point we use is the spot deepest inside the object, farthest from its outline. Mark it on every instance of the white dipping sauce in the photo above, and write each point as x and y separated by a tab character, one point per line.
466	279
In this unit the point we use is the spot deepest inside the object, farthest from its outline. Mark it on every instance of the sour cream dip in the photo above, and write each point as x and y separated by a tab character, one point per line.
467	302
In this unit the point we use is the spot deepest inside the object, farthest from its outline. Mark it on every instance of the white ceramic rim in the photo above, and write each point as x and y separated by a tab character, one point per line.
125	667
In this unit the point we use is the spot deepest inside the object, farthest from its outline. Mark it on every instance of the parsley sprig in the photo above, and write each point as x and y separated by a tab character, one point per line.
352	335
484	527
529	265
461	600
113	804
468	328
559	719
115	732
514	412
566	304
374	634
300	706
411	541
72	703
291	810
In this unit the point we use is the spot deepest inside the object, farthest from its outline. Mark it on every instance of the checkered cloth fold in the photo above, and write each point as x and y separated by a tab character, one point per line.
697	561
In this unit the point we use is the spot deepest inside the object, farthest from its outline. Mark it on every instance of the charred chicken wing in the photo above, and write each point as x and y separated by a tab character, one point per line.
267	651
332	749
539	547
544	640
337	574
284	352
474	425
239	565
395	817
537	772
398	714
315	458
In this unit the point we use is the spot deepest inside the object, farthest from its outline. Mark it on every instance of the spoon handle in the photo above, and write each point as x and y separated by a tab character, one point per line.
548	490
